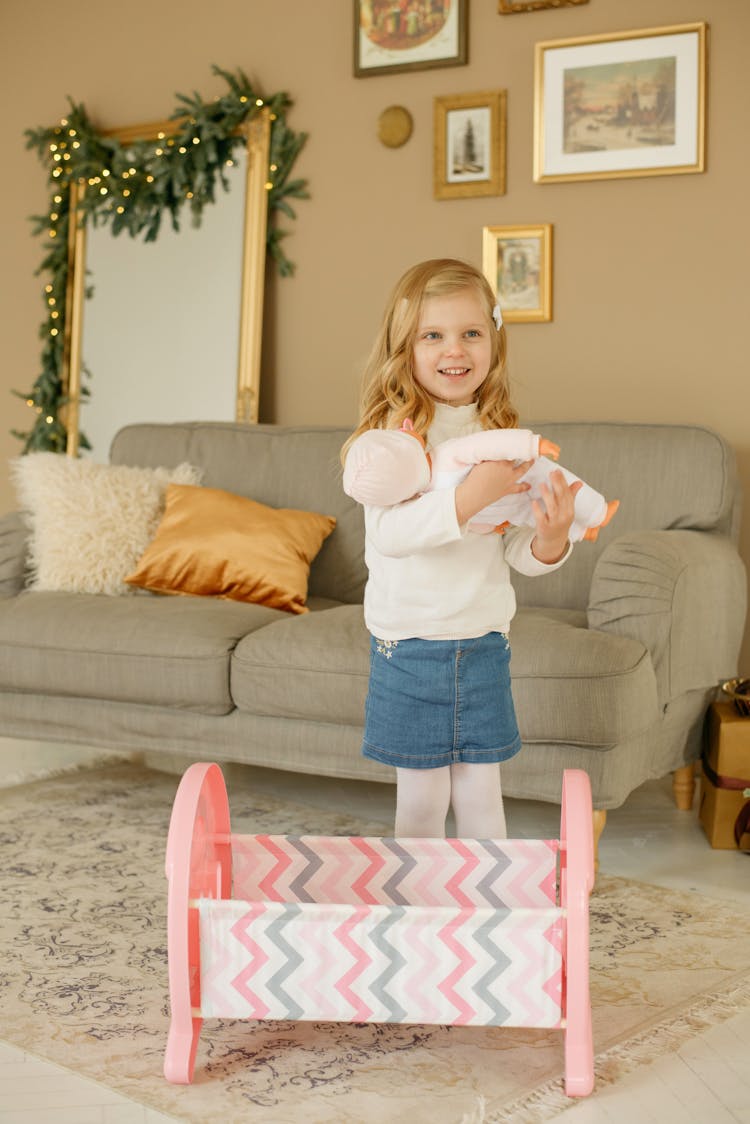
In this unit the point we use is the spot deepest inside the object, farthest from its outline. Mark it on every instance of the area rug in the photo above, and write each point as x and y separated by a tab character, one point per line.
83	979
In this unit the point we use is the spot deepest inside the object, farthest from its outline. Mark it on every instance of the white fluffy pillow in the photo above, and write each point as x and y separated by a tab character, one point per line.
90	523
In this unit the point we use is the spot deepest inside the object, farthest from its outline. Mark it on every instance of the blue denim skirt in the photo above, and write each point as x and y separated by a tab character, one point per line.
432	703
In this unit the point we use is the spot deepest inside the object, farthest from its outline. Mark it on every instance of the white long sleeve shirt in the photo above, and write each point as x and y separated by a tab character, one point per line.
430	577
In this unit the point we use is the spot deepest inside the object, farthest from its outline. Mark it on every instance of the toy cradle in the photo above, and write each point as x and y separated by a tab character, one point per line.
445	931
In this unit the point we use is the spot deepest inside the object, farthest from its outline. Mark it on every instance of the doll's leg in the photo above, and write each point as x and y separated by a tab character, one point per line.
477	799
422	801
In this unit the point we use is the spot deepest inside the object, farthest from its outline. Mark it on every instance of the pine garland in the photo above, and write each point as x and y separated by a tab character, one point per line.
130	187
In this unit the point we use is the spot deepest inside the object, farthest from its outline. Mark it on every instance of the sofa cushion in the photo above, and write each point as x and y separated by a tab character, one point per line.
281	466
89	523
146	649
216	544
666	477
314	667
571	684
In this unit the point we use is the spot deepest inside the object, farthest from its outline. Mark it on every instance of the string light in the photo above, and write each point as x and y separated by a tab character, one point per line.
60	149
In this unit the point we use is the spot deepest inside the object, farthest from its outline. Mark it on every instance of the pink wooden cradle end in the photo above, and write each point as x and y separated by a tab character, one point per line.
198	865
576	881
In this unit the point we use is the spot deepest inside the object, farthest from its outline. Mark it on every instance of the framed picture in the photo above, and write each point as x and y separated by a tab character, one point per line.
625	104
469	145
517	262
507	7
393	35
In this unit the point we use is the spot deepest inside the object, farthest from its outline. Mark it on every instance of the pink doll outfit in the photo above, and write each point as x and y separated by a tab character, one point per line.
387	466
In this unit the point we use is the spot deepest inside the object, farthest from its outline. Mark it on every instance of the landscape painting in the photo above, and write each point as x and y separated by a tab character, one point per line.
619	105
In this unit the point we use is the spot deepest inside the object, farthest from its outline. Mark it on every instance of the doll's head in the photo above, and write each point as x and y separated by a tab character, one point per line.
386	466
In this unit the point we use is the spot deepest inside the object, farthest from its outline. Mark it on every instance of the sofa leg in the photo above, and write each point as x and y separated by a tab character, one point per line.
599	817
683	786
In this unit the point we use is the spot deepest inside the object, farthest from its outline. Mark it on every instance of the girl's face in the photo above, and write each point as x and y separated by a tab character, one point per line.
452	351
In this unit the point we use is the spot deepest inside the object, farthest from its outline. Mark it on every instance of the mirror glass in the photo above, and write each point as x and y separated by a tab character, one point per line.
161	332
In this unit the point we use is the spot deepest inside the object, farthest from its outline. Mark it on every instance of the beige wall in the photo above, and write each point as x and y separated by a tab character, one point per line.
650	292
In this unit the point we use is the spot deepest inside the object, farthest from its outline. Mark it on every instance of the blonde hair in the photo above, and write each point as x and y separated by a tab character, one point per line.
390	391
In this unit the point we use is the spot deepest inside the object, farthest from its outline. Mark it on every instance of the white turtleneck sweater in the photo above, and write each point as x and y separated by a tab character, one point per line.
430	577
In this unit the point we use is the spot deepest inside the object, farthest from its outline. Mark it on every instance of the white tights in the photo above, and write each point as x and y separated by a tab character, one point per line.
423	797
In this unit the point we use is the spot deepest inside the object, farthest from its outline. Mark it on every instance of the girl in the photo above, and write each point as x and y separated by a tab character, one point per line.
438	600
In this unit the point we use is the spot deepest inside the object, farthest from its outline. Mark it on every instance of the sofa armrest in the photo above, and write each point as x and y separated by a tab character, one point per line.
683	594
13	539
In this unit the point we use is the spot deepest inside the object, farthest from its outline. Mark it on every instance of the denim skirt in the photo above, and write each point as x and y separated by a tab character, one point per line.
432	703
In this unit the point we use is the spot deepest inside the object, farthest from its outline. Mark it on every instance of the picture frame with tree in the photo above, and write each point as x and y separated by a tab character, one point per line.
470	144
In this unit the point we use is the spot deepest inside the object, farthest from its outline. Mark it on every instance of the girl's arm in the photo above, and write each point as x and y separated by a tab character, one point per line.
439	517
414	526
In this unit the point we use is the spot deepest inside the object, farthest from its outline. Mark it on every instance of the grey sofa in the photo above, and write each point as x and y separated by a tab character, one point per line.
614	657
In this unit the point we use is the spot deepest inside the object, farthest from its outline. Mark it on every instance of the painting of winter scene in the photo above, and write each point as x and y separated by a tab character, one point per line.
620	105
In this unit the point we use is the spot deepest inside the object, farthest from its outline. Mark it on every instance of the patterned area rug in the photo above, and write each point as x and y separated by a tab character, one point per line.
83	979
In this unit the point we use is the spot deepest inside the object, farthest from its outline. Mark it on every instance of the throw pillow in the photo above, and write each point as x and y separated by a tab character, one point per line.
89	523
214	543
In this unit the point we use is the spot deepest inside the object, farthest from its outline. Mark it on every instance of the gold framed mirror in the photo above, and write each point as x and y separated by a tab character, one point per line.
249	297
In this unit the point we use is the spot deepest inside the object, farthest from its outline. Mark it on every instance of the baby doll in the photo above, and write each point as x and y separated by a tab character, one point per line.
388	466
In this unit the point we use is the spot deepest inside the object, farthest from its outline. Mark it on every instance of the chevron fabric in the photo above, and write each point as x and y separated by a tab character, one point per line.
459	932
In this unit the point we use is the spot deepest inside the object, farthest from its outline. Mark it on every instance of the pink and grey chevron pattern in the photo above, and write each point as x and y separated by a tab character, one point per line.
490	967
379	930
352	870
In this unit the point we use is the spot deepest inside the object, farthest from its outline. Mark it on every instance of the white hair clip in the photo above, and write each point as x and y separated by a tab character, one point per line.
497	316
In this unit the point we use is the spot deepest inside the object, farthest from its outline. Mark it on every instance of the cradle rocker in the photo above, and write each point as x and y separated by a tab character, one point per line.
445	931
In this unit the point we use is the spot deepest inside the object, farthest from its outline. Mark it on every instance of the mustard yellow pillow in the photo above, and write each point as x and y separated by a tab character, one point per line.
216	544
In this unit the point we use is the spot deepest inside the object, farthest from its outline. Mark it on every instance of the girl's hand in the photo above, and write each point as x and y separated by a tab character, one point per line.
554	517
487	482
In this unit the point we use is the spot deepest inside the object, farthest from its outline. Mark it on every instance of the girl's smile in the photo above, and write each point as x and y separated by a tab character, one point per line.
453	350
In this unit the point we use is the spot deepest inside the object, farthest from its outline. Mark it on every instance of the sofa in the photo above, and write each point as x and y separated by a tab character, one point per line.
615	656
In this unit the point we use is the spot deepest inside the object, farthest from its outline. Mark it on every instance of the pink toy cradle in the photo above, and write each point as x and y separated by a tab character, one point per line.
352	929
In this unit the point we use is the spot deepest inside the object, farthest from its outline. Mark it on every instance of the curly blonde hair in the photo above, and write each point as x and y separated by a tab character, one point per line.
390	391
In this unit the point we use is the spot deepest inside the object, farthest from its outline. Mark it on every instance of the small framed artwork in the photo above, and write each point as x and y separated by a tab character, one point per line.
469	145
394	35
507	7
517	262
625	104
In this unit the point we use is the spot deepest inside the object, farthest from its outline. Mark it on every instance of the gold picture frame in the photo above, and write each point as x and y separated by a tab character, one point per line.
391	38
508	7
257	132
631	103
469	144
517	262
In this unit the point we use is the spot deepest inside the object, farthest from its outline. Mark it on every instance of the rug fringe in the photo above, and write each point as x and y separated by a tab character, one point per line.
642	1048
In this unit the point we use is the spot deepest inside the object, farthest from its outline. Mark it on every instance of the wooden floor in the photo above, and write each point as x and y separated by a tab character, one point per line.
706	1082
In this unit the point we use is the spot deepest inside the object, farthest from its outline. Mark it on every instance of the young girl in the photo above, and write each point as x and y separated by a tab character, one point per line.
438	601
